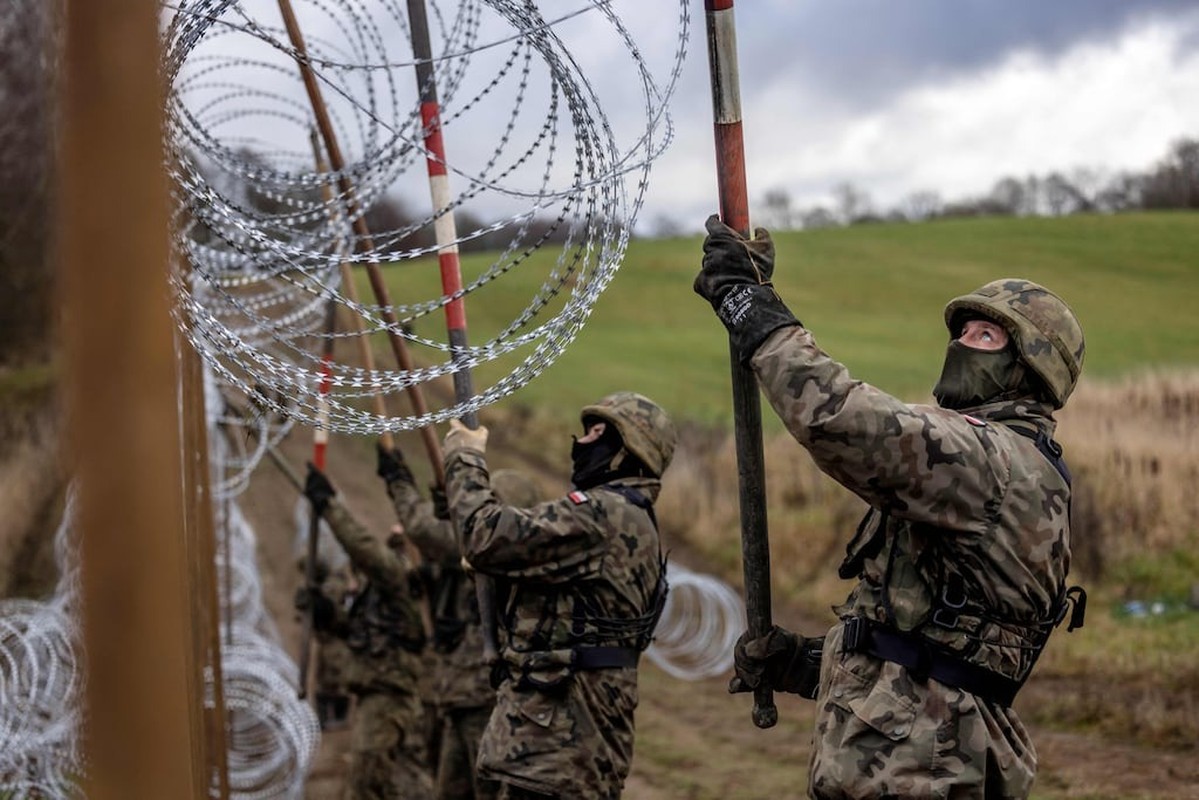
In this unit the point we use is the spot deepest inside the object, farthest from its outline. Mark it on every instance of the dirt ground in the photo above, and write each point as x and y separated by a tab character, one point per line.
694	740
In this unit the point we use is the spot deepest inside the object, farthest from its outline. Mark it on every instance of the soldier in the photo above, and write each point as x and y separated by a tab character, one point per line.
459	684
961	560
580	585
332	655
383	629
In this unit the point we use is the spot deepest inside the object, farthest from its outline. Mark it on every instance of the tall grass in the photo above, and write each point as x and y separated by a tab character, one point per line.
1134	449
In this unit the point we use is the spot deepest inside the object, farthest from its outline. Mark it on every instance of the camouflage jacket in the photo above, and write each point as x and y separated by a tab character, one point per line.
383	628
564	568
964	500
458	676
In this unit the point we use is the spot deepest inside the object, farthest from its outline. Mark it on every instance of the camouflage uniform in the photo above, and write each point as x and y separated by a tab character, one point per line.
333	657
580	573
961	561
383	629
457	683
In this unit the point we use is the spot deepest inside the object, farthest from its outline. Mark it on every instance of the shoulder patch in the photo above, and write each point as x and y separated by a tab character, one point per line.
975	421
578	498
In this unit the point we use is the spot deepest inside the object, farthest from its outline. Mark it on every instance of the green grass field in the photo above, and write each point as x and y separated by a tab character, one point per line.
872	294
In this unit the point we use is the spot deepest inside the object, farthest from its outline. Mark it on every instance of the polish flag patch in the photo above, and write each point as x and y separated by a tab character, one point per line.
578	498
975	421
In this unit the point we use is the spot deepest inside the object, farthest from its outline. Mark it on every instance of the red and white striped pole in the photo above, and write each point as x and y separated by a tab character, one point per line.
320	444
747	407
451	273
439	187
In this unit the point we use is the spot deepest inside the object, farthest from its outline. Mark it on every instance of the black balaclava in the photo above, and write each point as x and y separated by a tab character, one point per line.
594	461
972	377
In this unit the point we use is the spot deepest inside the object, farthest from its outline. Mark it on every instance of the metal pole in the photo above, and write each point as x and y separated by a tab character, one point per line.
320	444
382	297
451	271
143	734
747	408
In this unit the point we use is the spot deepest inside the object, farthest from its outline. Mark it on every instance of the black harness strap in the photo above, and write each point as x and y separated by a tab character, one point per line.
602	657
924	660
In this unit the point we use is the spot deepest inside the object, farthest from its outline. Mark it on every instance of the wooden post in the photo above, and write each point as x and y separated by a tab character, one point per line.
144	736
329	136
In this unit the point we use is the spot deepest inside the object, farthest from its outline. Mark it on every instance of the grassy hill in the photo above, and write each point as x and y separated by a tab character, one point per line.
873	295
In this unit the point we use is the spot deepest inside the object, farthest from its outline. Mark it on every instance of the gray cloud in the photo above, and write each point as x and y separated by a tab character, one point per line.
861	51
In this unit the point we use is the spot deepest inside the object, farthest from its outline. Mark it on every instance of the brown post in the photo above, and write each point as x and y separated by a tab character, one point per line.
200	546
329	136
144	738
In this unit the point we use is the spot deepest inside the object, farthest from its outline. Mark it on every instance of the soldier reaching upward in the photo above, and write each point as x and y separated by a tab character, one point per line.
383	630
459	681
581	583
961	561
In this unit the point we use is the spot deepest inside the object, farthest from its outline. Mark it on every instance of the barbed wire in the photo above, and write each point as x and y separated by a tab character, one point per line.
699	626
547	179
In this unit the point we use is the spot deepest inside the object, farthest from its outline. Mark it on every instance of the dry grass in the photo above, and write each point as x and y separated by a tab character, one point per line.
31	485
1134	450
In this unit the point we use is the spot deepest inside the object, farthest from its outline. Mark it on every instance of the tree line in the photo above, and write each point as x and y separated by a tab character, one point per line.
1172	183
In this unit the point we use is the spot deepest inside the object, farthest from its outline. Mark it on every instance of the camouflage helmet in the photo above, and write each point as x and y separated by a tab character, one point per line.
514	488
1045	330
644	427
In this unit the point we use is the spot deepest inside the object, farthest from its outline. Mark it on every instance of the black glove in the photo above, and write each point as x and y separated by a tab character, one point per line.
780	660
392	466
317	489
441	504
735	279
322	607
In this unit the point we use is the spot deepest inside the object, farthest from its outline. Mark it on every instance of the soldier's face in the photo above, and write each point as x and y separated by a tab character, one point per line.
982	334
594	432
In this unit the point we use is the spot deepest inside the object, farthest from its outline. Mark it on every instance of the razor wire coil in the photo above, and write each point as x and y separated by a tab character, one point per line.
263	233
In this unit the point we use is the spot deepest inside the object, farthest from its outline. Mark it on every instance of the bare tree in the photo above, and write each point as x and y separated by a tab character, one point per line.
665	226
851	202
1121	193
818	217
923	204
1175	182
1007	196
1088	182
1061	196
776	210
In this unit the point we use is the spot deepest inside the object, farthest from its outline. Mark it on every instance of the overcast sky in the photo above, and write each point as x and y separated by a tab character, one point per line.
944	95
892	96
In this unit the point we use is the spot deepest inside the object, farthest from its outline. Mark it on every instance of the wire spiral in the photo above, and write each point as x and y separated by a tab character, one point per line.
548	183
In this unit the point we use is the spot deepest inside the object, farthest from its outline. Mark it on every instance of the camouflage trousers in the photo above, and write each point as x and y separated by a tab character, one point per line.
575	741
388	760
510	792
880	733
457	778
432	733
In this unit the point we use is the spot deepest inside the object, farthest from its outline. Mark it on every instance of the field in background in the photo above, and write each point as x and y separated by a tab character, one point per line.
873	295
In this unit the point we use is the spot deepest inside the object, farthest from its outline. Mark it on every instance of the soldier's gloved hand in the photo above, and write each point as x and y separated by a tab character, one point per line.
461	437
391	465
317	489
322	607
780	660
441	504
736	279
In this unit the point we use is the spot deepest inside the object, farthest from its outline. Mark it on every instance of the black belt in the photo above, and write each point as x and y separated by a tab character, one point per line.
924	660
586	658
